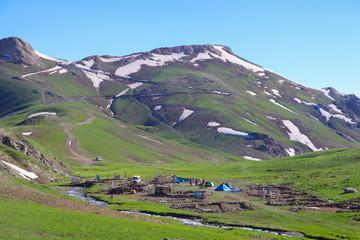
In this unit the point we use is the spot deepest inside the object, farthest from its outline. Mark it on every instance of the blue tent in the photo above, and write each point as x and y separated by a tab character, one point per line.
180	180
226	184
223	187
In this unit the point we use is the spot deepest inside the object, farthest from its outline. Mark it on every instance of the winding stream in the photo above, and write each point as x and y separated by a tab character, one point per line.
78	193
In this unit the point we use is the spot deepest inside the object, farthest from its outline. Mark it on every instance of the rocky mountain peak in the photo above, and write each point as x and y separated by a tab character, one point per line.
186	49
16	50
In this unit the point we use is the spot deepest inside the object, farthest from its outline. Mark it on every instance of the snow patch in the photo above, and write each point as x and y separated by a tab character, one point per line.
123	92
251	93
221	93
297	100
229	131
134	85
276	92
250	121
25	174
63	70
110	103
335	108
157	108
96	77
252	158
27	133
271	118
281	81
328	115
267	93
43	71
213	124
115	59
202	57
345	119
41	113
290	151
52	58
225	56
326	93
186	113
278	104
261	74
157	60
296	135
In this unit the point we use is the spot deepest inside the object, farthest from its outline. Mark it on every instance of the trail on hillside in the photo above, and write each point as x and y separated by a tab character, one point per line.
74	143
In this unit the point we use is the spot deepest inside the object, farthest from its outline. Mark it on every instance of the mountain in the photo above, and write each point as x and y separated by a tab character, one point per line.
200	99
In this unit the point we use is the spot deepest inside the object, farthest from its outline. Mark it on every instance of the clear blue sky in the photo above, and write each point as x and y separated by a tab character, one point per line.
314	42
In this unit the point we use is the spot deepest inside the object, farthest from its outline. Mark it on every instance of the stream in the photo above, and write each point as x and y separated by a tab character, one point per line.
78	193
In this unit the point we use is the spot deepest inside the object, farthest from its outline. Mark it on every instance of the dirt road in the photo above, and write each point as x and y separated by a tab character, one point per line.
73	142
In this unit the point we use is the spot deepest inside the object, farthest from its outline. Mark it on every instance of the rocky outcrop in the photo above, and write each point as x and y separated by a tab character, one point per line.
18	51
26	148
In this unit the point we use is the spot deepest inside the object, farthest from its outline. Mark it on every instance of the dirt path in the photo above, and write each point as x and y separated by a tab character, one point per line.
74	143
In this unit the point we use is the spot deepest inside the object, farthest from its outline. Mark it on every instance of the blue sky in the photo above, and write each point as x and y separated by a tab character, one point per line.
314	42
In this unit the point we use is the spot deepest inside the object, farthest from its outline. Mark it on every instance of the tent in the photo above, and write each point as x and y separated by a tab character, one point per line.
226	184
223	187
209	184
180	180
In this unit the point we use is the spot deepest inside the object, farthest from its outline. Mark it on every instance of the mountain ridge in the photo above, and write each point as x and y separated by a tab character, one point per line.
208	95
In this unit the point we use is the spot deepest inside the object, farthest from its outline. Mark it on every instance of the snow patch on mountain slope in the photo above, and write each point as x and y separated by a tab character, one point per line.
26	133
328	115
225	56
251	93
290	151
276	92
23	173
113	59
296	135
63	70
123	92
186	113
85	64
43	71
213	124
267	93
326	93
278	104
250	121
221	93
157	60
134	85
41	113
252	158
52	58
96	77
229	131
335	108
271	118
157	108
202	56
297	100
